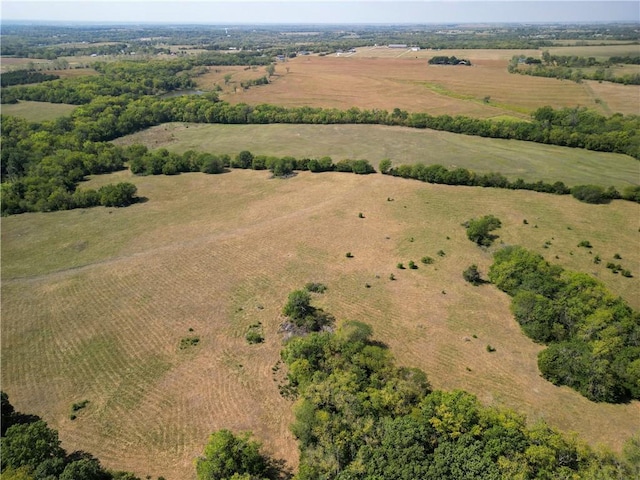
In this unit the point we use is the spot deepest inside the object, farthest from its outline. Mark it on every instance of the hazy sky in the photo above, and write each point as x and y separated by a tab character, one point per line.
311	11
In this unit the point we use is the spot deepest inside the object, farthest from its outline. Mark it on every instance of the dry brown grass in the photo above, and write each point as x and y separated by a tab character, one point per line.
95	303
409	83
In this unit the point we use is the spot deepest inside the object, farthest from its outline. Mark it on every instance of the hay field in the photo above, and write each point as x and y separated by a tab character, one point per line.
411	84
512	158
37	111
95	303
600	52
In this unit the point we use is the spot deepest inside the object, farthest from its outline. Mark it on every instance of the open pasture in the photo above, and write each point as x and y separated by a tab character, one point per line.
95	303
599	52
411	84
215	77
512	158
37	111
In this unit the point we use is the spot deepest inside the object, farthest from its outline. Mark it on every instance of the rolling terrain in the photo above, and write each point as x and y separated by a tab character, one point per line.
96	302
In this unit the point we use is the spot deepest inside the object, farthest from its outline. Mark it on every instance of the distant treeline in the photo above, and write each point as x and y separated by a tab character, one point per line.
42	164
571	68
128	77
22	77
144	162
593	337
462	176
124	99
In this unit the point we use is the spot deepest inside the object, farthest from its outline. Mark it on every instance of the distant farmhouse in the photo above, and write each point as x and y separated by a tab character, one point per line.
397	45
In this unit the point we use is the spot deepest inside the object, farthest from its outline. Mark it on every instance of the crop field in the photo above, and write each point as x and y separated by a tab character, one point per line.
485	89
96	303
38	111
514	159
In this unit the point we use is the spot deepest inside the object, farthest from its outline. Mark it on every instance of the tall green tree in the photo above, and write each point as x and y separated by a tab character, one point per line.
228	456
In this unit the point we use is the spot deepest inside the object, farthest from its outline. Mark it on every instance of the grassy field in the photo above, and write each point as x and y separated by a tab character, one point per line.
512	158
37	111
600	52
95	303
385	79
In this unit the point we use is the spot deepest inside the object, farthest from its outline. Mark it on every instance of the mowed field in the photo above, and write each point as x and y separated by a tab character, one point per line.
382	78
96	301
514	159
37	111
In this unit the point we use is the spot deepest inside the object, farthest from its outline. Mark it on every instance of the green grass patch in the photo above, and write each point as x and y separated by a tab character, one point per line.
38	111
514	159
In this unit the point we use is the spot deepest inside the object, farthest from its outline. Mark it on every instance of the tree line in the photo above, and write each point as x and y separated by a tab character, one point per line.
462	176
592	336
135	84
571	67
21	77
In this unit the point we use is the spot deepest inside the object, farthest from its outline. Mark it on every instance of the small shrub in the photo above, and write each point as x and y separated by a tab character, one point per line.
441	253
188	342
360	215
427	260
490	349
315	287
348	255
626	273
392	277
590	194
412	265
597	259
617	256
400	266
367	285
472	275
79	406
525	222
585	244
478	230
254	336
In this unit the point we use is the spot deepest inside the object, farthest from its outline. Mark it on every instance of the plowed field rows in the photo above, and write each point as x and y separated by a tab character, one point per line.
208	256
388	79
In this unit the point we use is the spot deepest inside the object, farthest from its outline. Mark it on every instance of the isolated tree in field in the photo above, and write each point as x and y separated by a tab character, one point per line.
478	230
298	305
227	456
271	69
227	78
472	275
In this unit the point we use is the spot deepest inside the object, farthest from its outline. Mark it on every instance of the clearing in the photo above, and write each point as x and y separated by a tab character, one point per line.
38	111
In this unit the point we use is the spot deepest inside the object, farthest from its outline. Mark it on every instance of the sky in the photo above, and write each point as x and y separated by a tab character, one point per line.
320	11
